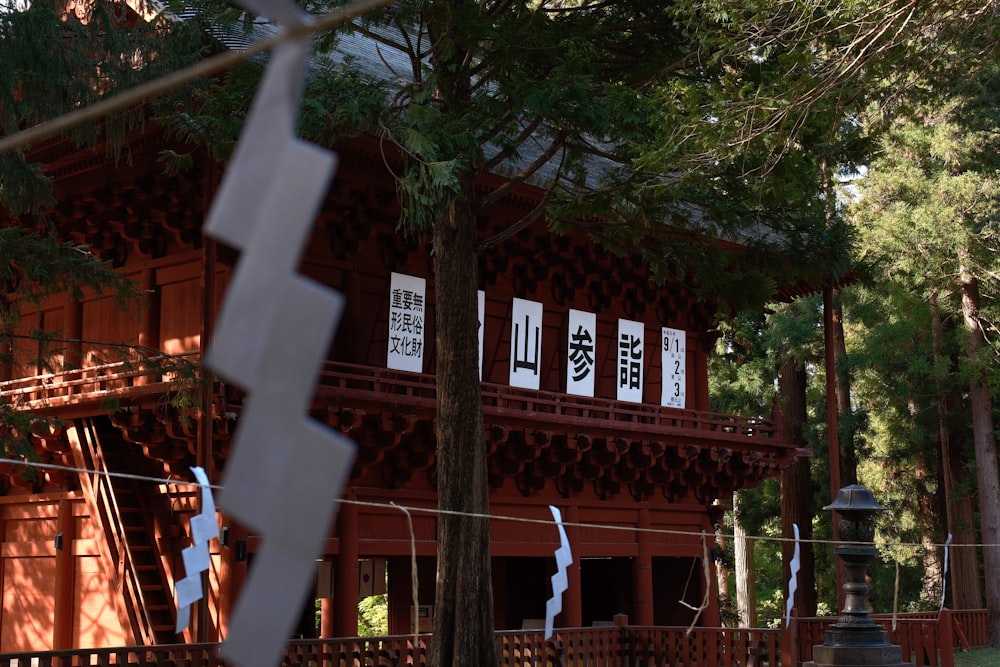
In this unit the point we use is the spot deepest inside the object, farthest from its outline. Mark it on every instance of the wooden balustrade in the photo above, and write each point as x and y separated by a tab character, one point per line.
928	639
415	390
613	646
120	378
971	628
920	635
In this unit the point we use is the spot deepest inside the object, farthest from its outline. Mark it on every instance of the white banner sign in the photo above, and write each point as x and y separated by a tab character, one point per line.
630	353
406	323
674	357
581	353
526	344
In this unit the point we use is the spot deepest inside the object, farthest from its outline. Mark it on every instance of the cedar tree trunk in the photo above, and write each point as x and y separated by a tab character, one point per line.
986	450
845	416
746	591
796	489
463	606
964	589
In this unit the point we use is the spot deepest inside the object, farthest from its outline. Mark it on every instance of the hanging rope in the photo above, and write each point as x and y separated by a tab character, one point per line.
414	578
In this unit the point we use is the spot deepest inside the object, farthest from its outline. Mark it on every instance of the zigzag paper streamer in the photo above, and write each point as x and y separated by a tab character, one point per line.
204	527
286	472
944	576
564	558
793	579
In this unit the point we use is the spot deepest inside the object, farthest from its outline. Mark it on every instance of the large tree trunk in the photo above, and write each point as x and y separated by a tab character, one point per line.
845	416
932	558
986	450
964	590
796	489
746	591
722	574
463	606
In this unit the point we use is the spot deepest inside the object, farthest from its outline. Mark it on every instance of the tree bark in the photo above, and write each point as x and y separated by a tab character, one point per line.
931	556
722	574
796	489
964	590
746	591
463	607
986	449
845	416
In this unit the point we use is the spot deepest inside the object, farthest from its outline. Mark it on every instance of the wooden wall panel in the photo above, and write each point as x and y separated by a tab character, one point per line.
25	350
95	622
28	604
54	322
20	526
106	328
180	316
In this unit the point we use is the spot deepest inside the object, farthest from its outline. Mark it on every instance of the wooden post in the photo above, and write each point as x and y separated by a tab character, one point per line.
642	573
73	314
204	445
149	324
946	638
790	643
65	584
573	597
326	612
345	586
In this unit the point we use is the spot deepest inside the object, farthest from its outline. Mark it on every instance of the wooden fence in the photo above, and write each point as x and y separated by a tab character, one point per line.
928	640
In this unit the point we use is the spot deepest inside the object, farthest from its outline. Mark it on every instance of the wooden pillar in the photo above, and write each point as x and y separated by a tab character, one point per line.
6	358
642	574
345	586
326	613
232	573
65	584
73	325
149	324
702	347
204	445
573	597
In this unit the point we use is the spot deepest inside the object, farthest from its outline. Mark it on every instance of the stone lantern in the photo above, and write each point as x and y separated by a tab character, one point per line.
855	640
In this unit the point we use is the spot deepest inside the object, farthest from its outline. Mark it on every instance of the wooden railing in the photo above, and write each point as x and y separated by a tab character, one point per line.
928	639
369	387
613	646
382	387
93	382
115	550
920	635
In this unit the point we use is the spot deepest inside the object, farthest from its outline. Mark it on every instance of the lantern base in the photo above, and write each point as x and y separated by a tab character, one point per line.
856	655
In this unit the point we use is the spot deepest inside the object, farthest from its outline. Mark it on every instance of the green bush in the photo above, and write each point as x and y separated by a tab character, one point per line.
373	616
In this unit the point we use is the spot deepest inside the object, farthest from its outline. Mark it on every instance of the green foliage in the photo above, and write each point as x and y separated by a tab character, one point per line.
373	616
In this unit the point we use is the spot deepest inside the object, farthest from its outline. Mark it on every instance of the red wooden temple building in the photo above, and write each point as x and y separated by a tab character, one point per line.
91	560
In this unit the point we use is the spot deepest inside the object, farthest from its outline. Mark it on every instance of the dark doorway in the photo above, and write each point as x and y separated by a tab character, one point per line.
677	583
607	588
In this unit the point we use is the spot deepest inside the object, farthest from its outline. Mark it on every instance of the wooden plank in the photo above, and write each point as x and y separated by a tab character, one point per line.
95	621
28	604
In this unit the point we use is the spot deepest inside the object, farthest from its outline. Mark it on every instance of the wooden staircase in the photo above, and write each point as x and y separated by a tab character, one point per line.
123	508
139	534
